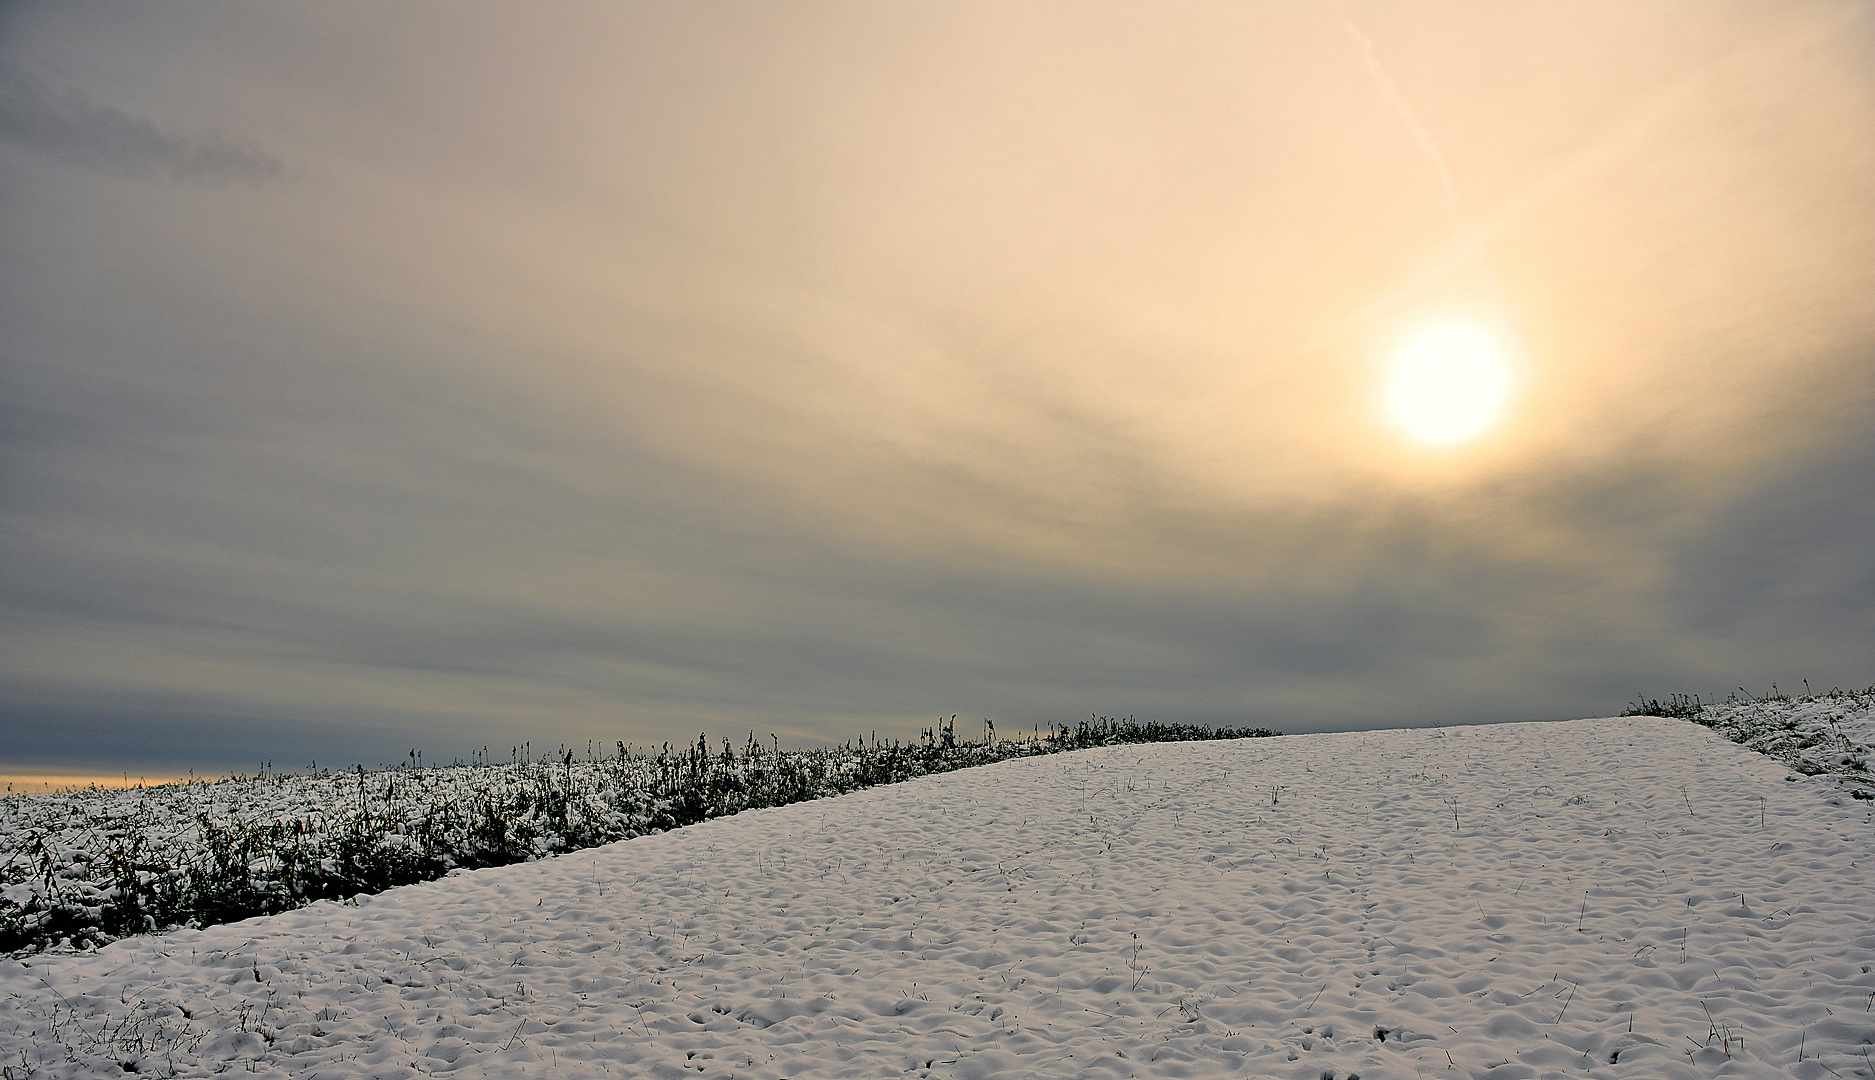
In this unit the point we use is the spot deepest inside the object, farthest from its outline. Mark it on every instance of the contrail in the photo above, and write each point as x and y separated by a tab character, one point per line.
1398	102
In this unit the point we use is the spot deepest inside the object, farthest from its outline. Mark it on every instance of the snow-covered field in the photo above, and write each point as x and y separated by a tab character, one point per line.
1630	897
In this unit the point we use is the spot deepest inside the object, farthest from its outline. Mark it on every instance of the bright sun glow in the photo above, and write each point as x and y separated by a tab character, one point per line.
1447	384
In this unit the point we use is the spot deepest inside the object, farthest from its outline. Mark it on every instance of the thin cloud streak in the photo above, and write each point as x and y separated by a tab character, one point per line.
1398	103
68	127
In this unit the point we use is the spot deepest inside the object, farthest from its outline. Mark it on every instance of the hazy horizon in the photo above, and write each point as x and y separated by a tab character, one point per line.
381	377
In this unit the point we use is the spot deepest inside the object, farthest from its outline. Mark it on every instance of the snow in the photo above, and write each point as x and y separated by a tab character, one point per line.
80	869
1631	897
169	820
1827	733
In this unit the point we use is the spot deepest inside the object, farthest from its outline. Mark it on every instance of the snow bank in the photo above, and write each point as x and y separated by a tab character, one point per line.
1628	897
1826	734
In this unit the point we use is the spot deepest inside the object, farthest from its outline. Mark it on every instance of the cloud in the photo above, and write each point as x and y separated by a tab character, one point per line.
1404	108
742	372
68	127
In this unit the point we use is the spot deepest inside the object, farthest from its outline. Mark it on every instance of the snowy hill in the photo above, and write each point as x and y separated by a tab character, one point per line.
1631	897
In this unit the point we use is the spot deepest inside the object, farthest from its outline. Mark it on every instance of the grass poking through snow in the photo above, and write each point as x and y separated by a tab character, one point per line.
83	868
1826	734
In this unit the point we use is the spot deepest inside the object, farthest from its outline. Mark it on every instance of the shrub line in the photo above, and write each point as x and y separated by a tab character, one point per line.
78	885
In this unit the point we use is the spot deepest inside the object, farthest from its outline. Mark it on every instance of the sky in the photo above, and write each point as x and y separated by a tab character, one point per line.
380	377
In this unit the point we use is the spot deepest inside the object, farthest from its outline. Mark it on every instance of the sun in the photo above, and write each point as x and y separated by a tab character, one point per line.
1447	384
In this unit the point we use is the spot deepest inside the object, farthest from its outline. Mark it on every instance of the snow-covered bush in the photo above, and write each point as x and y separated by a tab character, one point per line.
83	868
1815	734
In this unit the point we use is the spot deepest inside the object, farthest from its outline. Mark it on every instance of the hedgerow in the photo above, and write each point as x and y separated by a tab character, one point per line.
81	869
